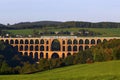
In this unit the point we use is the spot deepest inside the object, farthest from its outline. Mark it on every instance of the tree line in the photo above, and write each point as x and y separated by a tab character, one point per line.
55	24
11	62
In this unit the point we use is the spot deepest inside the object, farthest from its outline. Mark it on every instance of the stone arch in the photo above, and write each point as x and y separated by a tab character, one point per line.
105	40
92	41
31	54
86	47
7	41
74	48
36	56
11	41
55	55
68	54
26	41
69	41
46	55
75	41
21	41
36	41
55	46
69	48
16	41
47	42
63	48
80	41
2	40
98	41
31	48
41	55
110	39
63	42
41	41
42	48
25	54
87	41
31	41
26	48
21	48
80	48
36	48
63	55
47	48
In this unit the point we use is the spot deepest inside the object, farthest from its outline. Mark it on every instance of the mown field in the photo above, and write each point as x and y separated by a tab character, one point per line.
104	31
96	71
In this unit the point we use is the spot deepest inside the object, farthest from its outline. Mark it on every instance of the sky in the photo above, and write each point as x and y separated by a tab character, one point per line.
15	11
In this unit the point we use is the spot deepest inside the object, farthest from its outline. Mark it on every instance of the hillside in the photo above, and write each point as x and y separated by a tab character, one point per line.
111	32
67	24
97	71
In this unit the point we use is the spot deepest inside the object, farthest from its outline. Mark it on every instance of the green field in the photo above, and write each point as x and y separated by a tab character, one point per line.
96	71
111	32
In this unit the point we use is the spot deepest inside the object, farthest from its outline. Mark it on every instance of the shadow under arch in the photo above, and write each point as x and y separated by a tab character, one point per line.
55	46
55	55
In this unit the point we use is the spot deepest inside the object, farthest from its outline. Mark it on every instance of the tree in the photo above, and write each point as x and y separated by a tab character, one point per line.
27	68
5	69
69	60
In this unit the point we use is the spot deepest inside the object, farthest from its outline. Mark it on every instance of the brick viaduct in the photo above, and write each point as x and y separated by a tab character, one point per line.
41	47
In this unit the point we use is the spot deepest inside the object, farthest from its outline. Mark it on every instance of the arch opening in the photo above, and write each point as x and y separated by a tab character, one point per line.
21	42
98	41
68	54
21	48
36	41
41	48
26	47
11	42
86	47
80	41
7	41
36	56
75	42
63	42
36	48
41	41
81	48
26	42
74	48
69	48
47	48
47	42
46	55
92	41
63	55
31	55
69	41
86	41
54	56
55	46
41	55
105	40
31	42
31	48
16	42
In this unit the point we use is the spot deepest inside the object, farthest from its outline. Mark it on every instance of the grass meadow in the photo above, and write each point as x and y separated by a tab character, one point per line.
110	32
97	71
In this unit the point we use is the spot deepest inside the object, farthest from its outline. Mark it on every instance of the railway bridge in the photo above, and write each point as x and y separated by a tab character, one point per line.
54	46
